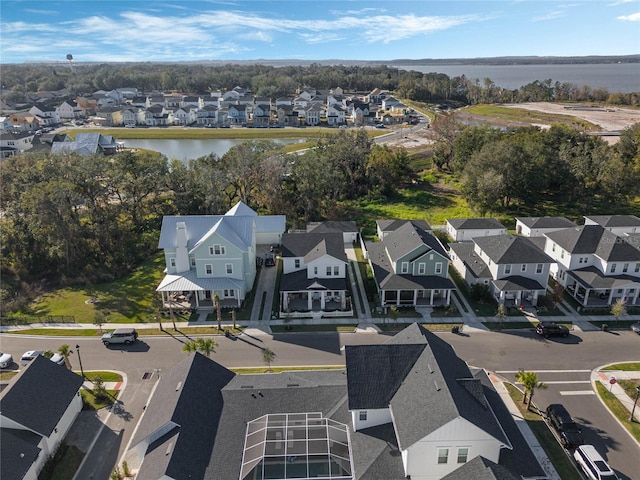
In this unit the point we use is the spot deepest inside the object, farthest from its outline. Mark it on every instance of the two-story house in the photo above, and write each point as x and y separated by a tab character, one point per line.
410	268
47	116
538	226
237	114
596	266
314	275
618	224
185	115
15	143
207	115
261	115
515	268
462	229
209	255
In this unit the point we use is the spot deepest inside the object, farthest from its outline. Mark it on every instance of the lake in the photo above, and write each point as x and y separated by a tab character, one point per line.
615	77
189	149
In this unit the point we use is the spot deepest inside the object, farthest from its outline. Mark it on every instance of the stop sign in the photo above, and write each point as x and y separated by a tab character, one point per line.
613	381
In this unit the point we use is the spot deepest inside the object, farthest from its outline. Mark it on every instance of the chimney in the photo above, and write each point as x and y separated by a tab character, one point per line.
182	254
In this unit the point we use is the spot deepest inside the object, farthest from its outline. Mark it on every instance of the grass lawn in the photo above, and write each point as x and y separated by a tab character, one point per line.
553	449
627	367
168	330
312	328
4	376
509	325
90	402
619	410
106	376
63	465
613	324
630	387
524	115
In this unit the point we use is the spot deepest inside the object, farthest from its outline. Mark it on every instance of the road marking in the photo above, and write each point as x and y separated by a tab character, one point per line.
578	392
560	382
546	371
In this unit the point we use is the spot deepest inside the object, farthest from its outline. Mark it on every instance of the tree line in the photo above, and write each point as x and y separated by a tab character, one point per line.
268	81
520	168
87	219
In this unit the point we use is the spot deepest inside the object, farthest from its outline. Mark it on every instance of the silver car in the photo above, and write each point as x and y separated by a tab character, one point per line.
6	360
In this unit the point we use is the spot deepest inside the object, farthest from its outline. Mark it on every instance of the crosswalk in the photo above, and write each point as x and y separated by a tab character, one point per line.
560	378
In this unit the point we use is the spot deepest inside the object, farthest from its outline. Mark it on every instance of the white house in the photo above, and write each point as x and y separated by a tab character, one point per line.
38	408
596	266
538	226
69	111
462	229
14	143
618	224
515	268
185	115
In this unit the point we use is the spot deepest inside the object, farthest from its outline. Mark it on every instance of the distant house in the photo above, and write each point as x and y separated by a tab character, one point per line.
38	408
410	268
538	226
596	266
287	116
47	116
409	408
335	115
69	111
207	115
618	224
348	229
88	144
237	114
462	229
261	115
314	275
185	115
515	268
385	227
208	255
15	143
24	122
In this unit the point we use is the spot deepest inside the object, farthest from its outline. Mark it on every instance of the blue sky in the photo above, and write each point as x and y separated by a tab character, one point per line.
187	30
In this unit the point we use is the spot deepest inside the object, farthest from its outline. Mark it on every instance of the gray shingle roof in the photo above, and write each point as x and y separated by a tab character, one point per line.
376	455
408	238
475	265
199	225
511	249
591	277
333	227
23	400
391	225
18	450
615	220
546	222
297	281
474	223
480	468
517	282
313	245
594	239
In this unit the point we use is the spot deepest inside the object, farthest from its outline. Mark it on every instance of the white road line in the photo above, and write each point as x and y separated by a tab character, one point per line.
560	382
578	392
546	371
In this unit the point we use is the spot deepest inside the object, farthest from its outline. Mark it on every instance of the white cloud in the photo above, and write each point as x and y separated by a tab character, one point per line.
634	17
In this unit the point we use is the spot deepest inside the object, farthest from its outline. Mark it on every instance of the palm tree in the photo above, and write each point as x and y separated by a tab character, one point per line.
65	351
268	356
529	381
206	346
216	302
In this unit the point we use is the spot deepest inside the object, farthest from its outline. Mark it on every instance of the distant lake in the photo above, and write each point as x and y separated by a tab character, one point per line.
615	77
189	149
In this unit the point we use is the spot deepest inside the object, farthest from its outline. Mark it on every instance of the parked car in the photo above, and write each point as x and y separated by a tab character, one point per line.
592	464
120	335
635	327
269	262
29	355
6	360
57	359
551	329
568	431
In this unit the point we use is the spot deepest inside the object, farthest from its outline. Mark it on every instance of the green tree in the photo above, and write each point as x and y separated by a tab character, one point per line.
100	318
501	314
205	346
529	381
619	308
66	352
99	389
268	356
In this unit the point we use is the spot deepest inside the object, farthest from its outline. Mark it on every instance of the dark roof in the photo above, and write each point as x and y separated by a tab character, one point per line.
517	282
591	277
376	454
511	249
18	450
546	222
474	264
313	245
189	391
332	227
297	281
480	468
391	225
474	223
23	400
408	238
615	220
594	239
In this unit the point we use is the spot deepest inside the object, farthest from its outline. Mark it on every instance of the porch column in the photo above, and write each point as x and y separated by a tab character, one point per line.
586	297
398	298
322	300
448	297
635	295
415	297
431	297
309	301
197	294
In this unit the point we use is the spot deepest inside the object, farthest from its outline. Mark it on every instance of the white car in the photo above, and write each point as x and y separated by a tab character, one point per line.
6	360
57	359
30	355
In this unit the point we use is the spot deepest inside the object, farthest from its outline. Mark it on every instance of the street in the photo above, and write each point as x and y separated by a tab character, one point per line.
564	364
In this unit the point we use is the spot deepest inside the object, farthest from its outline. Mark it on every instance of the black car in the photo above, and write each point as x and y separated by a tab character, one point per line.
550	329
568	431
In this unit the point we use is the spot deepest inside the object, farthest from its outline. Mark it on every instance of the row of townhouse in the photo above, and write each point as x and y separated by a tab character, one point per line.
128	107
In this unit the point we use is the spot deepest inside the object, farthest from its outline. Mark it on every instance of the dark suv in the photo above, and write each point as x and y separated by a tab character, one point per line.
569	433
550	329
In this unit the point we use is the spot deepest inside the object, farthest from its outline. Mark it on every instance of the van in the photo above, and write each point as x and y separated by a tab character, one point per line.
569	433
30	355
592	463
120	335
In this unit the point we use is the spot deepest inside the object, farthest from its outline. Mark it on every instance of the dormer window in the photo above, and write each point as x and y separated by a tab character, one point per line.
362	416
613	268
507	269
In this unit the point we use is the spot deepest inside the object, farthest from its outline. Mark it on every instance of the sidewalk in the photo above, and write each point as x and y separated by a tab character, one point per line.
605	376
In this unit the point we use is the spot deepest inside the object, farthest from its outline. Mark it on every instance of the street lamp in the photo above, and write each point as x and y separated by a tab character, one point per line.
80	360
635	402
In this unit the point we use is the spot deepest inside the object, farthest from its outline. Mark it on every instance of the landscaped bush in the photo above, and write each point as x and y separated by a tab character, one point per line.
480	291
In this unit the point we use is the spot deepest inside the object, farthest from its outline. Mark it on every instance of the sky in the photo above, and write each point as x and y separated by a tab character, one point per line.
192	30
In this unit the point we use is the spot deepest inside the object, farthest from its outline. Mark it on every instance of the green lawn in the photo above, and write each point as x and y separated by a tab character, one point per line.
434	327
529	116
63	465
312	328
106	376
627	367
619	410
93	403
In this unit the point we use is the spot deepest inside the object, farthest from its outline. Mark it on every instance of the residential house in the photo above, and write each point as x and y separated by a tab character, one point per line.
335	115
208	255
314	275
185	115
24	122
287	116
69	111
5	124
410	268
207	115
376	96
618	224
348	229
110	115
89	105
409	407
515	268
38	408
128	116
47	116
192	101
261	115
461	229
596	266
312	114
87	144
538	226
155	116
237	114
15	143
385	227
283	101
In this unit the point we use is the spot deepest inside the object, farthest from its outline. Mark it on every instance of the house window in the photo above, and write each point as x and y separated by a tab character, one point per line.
463	453
625	268
363	416
336	271
561	253
315	270
328	271
229	268
523	268
421	268
405	267
296	263
229	293
217	250
637	270
613	268
438	268
208	269
539	268
172	262
553	247
431	256
507	269
443	455
193	262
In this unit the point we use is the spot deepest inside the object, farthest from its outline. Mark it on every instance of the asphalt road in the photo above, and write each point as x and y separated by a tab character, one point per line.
563	363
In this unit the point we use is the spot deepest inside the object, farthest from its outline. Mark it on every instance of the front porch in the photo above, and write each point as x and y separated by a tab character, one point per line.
592	289
412	298
199	300
326	303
